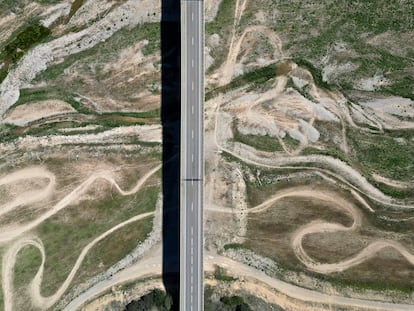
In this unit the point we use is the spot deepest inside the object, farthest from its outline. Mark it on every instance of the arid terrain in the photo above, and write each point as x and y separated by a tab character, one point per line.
309	154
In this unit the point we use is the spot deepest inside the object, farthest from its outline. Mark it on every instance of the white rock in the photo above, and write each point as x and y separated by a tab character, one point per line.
213	41
310	132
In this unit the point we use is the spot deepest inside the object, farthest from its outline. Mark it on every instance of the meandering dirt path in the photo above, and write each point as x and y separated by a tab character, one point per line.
152	267
227	69
28	197
9	260
320	226
8	234
392	183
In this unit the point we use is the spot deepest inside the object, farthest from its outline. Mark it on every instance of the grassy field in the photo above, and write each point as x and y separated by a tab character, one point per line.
269	234
65	234
113	248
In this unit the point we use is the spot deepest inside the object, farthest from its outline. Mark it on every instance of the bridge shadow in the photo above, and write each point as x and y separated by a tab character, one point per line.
171	123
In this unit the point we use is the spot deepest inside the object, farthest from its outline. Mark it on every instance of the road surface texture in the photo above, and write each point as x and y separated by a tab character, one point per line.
192	95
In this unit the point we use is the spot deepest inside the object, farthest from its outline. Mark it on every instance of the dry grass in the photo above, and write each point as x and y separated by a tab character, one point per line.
113	249
100	208
269	233
334	247
386	270
65	234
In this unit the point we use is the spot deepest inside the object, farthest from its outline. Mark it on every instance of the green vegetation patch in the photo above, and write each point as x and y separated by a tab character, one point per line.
253	78
45	93
155	300
24	38
232	246
221	275
7	132
335	153
265	143
156	113
316	72
383	154
232	300
27	263
224	17
222	25
290	142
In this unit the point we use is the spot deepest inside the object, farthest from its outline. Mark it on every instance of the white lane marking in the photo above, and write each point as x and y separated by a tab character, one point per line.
192	158
192	134
192	86
192	63
192	206
192	16
192	40
192	109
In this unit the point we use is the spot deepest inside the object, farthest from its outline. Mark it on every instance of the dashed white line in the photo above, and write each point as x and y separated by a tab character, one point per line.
192	86
192	63
192	40
192	16
192	134
192	109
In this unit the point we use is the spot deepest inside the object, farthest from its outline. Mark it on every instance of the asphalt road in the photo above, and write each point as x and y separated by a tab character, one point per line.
192	165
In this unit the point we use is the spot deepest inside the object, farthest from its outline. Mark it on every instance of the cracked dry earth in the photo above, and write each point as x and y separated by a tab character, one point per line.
302	120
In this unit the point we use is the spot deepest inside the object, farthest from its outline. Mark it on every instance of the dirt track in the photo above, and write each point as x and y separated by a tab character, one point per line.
8	234
152	266
327	167
27	197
